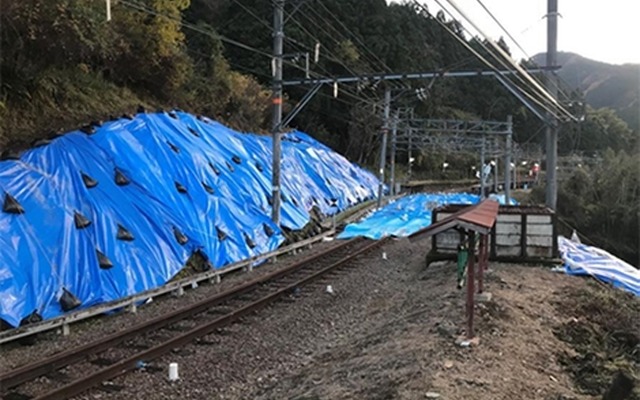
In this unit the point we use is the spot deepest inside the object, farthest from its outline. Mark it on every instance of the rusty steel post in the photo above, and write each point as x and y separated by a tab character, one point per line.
481	251
470	284
485	259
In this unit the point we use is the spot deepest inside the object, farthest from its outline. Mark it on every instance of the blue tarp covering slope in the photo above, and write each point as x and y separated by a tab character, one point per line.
121	210
581	259
405	216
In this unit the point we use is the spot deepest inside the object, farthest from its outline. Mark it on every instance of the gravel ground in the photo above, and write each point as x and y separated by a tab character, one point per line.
13	355
387	332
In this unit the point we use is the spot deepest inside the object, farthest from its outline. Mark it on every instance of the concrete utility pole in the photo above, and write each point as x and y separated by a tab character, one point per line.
394	136
278	39
496	174
552	86
507	162
410	153
383	149
108	10
482	169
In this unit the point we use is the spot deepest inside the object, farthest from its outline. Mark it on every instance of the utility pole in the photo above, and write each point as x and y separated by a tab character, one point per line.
394	134
108	10
552	86
482	169
410	152
496	174
383	149
507	162
278	39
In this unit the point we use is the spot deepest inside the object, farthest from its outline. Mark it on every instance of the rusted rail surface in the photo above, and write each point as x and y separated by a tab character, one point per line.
27	373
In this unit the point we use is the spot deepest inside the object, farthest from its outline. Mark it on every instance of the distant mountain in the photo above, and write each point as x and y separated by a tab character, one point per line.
604	85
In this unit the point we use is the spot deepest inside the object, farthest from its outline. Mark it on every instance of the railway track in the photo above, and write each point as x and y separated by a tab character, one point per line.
77	370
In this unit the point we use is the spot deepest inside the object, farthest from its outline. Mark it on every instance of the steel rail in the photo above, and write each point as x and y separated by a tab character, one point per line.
29	372
121	367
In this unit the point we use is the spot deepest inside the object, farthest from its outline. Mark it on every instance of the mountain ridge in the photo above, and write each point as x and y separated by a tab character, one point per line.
616	86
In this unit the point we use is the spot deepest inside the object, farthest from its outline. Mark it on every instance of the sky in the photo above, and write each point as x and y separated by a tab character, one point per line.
607	31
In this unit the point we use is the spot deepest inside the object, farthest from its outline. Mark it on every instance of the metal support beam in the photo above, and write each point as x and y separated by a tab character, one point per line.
383	147
552	87
507	162
520	97
278	40
303	102
402	76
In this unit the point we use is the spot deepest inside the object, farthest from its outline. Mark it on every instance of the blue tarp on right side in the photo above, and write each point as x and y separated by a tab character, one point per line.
582	259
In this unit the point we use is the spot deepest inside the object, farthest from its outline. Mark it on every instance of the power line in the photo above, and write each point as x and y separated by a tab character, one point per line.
494	70
491	53
515	42
503	28
364	46
225	39
261	21
340	34
256	17
187	25
484	60
508	58
331	56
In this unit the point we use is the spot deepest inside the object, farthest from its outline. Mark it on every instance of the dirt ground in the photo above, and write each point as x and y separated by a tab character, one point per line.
411	352
389	330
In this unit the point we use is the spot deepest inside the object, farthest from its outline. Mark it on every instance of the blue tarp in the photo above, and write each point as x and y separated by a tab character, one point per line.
405	216
581	259
143	195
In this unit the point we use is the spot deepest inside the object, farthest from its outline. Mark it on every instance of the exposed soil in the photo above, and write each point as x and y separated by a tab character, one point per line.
389	332
604	330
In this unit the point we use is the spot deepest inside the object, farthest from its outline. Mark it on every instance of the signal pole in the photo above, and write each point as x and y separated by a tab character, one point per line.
278	39
552	86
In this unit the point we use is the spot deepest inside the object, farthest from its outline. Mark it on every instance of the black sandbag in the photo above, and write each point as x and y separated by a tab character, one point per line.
68	301
11	205
124	234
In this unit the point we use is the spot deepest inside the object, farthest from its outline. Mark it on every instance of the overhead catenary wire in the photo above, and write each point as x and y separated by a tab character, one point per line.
513	39
253	14
353	35
484	60
142	8
269	27
343	36
187	25
544	92
538	100
332	56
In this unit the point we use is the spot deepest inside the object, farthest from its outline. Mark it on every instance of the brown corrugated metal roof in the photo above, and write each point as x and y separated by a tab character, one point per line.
484	215
479	218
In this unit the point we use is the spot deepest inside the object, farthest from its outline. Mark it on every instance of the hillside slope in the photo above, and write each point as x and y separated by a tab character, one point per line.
604	85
